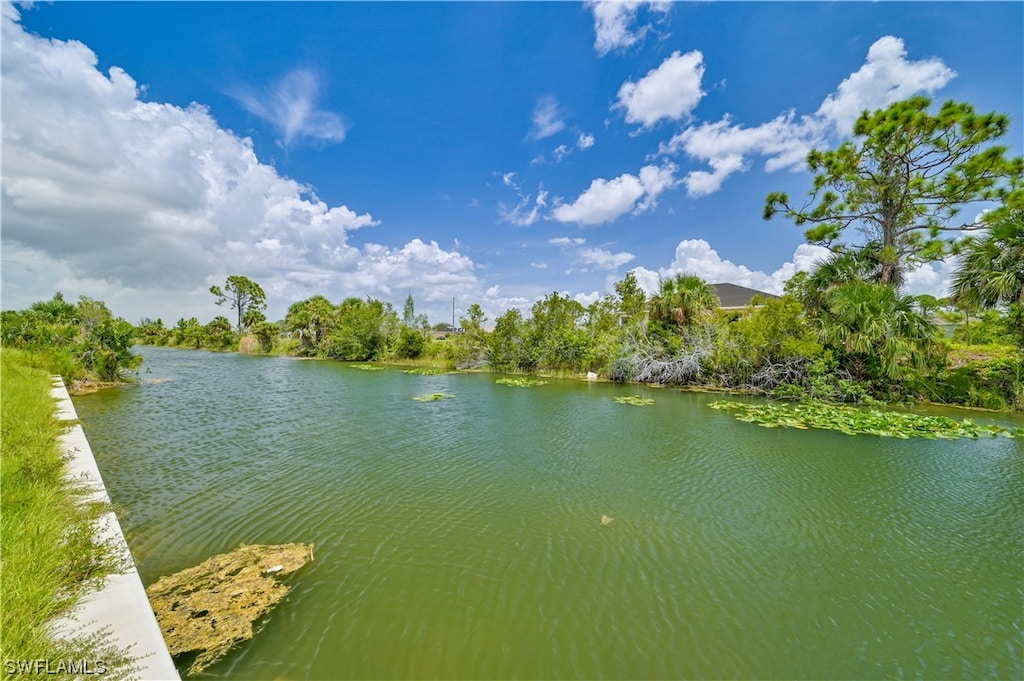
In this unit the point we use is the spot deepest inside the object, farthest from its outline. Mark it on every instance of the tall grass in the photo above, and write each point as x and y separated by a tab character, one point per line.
49	557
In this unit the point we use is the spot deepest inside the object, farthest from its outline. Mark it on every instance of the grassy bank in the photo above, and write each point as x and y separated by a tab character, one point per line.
48	554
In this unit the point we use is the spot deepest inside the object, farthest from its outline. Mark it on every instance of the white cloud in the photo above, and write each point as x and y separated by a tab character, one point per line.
584	141
613	23
590	257
547	119
567	241
603	201
606	200
560	152
605	260
672	90
587	299
146	204
290	105
696	256
527	211
886	77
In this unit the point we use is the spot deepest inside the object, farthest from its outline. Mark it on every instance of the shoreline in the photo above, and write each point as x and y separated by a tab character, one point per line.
445	365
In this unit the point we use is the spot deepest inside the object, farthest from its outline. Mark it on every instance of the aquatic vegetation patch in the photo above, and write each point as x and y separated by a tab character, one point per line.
854	421
521	382
425	371
433	397
367	367
210	608
635	400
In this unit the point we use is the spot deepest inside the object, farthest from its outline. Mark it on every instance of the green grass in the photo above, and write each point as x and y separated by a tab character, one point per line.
48	554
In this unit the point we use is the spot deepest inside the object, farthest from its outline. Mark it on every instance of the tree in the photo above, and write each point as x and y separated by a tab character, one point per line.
312	319
878	331
991	270
244	294
683	299
632	299
902	180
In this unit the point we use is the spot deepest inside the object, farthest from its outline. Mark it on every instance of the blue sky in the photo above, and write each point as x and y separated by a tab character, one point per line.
490	152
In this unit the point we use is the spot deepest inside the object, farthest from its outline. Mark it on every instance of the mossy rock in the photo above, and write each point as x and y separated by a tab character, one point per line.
210	608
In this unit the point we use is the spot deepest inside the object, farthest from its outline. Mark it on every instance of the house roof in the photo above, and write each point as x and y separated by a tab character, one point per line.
731	296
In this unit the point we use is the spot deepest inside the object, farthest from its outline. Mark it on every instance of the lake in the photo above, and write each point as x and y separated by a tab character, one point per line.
463	538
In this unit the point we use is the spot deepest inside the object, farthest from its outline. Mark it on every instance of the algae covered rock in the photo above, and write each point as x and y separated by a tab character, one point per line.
209	608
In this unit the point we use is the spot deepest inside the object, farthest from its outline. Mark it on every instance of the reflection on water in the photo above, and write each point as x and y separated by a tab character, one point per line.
463	538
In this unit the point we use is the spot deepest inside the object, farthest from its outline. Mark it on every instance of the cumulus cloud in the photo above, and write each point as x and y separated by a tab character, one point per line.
696	256
547	119
591	257
613	23
606	200
605	260
146	204
584	141
672	90
885	77
290	106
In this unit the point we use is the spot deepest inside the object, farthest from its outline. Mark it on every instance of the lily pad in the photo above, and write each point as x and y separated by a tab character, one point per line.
432	397
521	382
635	400
425	371
367	367
854	421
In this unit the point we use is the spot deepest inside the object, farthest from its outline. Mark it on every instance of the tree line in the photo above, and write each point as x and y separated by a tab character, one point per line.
883	202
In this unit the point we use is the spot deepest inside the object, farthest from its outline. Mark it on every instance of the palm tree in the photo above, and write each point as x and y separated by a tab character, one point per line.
683	299
874	326
867	264
991	270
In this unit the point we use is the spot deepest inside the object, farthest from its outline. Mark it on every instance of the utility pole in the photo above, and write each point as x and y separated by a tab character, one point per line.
453	312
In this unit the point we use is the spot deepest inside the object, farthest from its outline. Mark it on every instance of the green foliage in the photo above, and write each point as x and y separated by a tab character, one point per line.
218	335
48	546
634	400
902	180
774	332
991	326
246	297
632	301
991	269
433	397
855	421
682	301
994	380
521	382
77	340
311	320
266	333
878	333
411	343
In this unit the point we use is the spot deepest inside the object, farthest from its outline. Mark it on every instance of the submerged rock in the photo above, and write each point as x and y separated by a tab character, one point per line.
210	608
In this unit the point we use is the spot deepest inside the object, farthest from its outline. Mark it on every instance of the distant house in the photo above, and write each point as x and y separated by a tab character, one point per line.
733	297
443	333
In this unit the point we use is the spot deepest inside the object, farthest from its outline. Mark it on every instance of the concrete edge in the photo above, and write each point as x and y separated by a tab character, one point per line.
120	606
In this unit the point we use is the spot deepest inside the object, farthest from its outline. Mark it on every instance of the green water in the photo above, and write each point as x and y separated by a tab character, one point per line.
462	538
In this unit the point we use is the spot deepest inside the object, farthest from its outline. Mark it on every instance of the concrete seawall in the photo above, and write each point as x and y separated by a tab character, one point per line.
121	606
